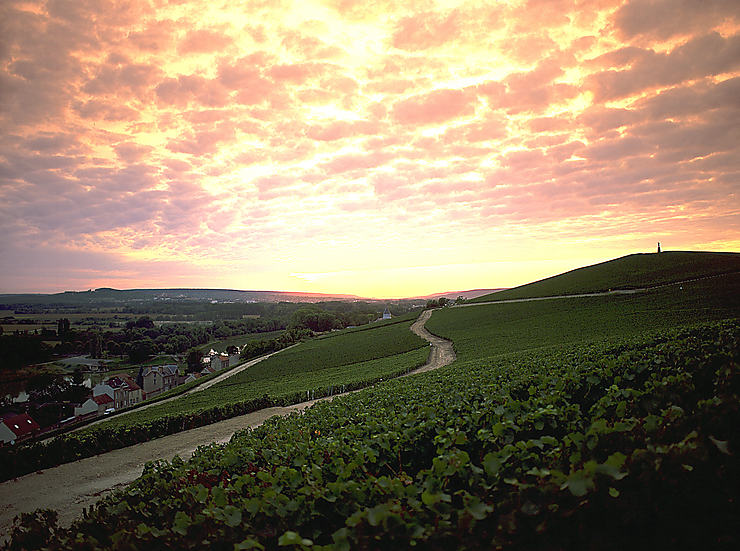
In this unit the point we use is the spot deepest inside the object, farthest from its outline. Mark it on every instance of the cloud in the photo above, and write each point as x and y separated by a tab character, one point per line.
435	107
425	30
663	19
342	129
203	41
702	56
157	129
186	89
131	152
352	162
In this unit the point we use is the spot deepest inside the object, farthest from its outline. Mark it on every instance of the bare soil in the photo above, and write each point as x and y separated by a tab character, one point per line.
72	487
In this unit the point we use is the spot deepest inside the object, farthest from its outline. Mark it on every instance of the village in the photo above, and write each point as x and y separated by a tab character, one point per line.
116	393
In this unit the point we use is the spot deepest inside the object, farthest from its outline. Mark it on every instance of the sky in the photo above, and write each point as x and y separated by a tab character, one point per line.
383	149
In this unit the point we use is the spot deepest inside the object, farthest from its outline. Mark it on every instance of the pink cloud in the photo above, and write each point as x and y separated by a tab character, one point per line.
662	19
340	129
112	78
297	73
425	30
187	89
492	129
435	107
601	119
131	152
347	163
549	124
702	56
203	41
203	142
156	36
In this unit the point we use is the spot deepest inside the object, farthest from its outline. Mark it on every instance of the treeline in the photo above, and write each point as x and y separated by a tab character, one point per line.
303	324
141	338
23	349
320	319
253	349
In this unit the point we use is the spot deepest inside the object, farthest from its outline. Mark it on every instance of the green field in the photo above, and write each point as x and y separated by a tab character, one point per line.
634	271
347	358
487	330
582	423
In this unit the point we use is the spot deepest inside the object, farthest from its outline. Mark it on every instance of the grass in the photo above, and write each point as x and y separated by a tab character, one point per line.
558	417
341	358
634	271
484	331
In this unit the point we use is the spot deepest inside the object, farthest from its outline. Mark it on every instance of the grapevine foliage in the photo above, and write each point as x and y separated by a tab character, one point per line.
605	446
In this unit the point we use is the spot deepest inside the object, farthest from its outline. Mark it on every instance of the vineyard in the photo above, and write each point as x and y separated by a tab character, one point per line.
483	331
590	446
628	272
347	361
598	423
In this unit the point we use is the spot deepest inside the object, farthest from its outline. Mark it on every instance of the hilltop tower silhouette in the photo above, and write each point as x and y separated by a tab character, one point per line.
658	246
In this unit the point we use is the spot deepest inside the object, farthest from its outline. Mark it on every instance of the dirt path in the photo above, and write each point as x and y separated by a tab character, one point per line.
70	488
555	297
442	352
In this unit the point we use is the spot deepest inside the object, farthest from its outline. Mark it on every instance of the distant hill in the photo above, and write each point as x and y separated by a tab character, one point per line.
634	271
115	297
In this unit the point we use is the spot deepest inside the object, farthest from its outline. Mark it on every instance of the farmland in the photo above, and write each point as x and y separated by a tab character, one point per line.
313	366
591	423
343	361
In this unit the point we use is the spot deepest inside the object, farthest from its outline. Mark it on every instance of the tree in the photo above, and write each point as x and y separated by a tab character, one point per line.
77	377
140	350
62	329
193	359
96	345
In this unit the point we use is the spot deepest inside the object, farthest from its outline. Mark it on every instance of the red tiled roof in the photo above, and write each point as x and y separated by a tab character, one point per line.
21	424
130	382
102	399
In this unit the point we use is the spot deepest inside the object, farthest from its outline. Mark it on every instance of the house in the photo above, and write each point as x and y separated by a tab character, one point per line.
219	361
16	427
234	359
122	389
207	370
158	378
192	377
94	406
386	314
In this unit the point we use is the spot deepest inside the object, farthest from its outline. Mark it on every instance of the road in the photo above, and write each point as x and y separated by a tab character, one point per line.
207	384
72	487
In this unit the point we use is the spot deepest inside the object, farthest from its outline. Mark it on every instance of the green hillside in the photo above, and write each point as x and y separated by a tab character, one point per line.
340	361
598	423
634	271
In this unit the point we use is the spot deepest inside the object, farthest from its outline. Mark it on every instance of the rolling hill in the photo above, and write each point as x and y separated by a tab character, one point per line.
599	422
633	271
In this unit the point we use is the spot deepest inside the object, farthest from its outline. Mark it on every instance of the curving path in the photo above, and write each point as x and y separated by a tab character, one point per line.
72	487
442	352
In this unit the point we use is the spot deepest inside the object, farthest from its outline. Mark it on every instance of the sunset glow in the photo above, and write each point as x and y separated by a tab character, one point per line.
382	149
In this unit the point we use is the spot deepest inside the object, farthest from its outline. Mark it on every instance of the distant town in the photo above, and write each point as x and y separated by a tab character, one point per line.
116	393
